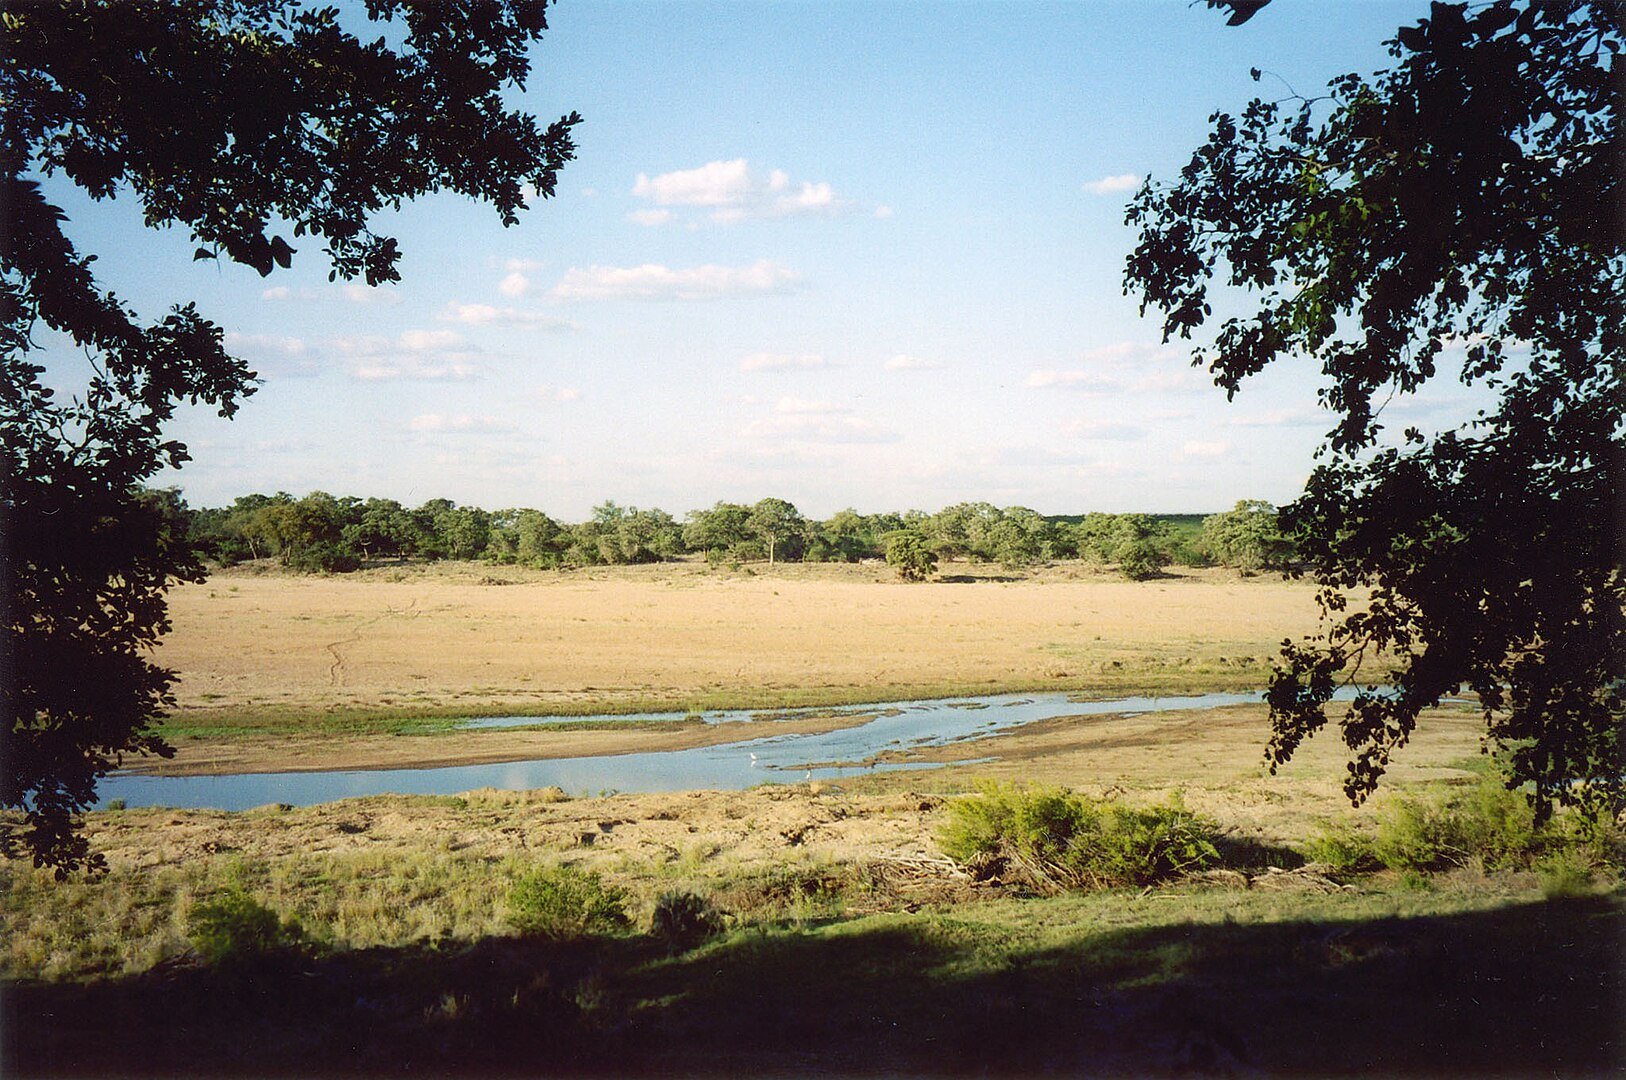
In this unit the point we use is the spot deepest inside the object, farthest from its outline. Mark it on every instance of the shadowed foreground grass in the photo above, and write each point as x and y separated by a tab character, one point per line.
1213	981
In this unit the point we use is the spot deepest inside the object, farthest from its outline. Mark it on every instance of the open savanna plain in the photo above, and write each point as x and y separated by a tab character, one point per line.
845	941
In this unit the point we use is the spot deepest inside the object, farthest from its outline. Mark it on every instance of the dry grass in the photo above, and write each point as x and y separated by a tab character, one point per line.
425	641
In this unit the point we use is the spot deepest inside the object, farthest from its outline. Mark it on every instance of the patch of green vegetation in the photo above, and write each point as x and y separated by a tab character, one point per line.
1111	981
281	720
564	902
235	927
1487	827
684	919
1060	839
687	723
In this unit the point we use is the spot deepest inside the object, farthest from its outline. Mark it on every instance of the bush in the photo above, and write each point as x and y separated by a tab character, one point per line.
321	558
908	554
565	902
1141	560
1565	874
1060	839
1489	828
683	920
236	926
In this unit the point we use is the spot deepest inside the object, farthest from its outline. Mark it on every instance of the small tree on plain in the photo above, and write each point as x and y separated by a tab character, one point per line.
908	554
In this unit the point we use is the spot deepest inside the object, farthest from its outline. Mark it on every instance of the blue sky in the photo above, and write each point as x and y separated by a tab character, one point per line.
844	254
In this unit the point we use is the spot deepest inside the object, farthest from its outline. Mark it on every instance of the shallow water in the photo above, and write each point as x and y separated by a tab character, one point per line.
731	766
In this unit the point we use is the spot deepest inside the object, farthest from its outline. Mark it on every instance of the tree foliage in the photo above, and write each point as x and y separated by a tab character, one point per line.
1465	199
908	554
1248	537
250	124
775	522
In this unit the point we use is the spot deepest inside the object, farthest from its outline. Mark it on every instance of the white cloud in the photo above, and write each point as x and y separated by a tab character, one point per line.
558	393
1205	449
386	371
1180	378
357	293
1088	381
352	292
883	211
1132	352
427	340
904	362
1105	430
273	356
652	281
515	284
461	424
764	361
716	183
1122	367
480	314
1113	185
282	446
818	428
434	355
522	264
805	407
733	193
1280	418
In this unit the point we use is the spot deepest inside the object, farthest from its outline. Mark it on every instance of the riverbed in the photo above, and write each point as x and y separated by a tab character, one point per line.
876	738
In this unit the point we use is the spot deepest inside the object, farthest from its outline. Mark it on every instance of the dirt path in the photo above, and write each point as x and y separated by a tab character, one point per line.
336	670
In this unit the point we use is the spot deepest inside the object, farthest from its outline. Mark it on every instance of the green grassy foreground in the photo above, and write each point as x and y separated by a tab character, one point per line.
1465	978
843	959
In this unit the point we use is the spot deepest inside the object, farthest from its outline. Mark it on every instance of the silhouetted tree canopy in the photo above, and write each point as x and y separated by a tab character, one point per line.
1466	198
252	124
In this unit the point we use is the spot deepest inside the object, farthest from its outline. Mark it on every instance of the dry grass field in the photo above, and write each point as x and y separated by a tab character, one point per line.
272	652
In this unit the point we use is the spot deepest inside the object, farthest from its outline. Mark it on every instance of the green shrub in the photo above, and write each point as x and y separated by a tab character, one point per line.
683	919
235	926
1342	847
565	902
321	558
908	554
1141	560
1060	839
1564	874
1489	827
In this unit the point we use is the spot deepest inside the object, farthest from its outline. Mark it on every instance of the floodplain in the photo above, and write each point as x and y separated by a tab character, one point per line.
838	937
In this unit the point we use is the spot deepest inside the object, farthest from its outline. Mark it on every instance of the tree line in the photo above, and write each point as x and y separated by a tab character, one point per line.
324	533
